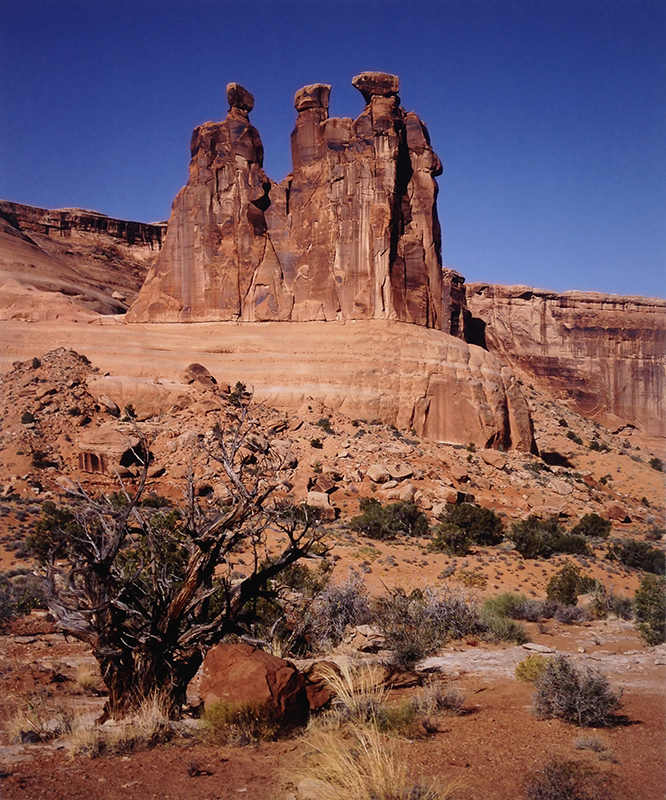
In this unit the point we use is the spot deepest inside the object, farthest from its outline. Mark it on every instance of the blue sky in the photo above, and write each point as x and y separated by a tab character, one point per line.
549	115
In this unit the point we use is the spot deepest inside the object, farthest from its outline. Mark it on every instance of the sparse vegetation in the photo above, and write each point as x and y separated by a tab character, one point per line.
386	522
495	616
241	724
650	609
565	586
336	607
531	668
20	592
592	526
536	538
637	554
574	437
417	624
657	463
578	695
481	525
27	418
561	779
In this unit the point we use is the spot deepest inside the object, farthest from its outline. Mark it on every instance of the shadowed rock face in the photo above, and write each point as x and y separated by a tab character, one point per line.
352	233
606	353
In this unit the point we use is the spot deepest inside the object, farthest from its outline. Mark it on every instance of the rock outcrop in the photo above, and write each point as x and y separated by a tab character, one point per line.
352	233
71	264
605	353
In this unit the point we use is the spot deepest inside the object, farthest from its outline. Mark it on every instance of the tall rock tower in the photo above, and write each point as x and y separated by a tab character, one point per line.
351	233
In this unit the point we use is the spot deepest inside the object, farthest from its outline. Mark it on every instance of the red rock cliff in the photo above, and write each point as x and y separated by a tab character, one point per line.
606	353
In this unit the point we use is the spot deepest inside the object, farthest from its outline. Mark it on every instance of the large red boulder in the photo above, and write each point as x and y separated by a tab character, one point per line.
240	673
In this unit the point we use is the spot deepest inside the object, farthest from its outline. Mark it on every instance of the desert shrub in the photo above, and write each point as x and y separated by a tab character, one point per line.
592	526
450	539
637	554
650	609
574	437
578	695
237	394
502	629
503	605
39	721
593	743
325	424
415	625
655	534
316	444
27	418
567	615
531	668
657	463
535	610
338	605
483	526
565	586
560	779
20	593
436	698
36	363
605	601
386	522
536	538
600	447
496	622
242	723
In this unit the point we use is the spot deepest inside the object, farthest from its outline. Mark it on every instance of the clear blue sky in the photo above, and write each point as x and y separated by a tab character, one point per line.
549	115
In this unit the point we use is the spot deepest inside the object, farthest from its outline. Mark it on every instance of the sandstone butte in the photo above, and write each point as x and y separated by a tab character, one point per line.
336	261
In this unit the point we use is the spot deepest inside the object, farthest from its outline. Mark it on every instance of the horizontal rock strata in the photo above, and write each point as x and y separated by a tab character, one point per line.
606	353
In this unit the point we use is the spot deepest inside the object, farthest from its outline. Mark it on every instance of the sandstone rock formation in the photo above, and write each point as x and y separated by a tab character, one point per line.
352	233
606	353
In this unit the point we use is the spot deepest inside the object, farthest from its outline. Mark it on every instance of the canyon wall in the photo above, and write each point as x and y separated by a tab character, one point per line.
351	233
605	353
71	263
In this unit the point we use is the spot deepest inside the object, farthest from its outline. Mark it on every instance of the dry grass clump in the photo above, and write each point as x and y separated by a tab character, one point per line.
240	724
359	693
39	722
148	727
88	678
436	698
362	765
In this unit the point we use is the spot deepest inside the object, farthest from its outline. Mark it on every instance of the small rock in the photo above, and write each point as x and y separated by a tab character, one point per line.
537	648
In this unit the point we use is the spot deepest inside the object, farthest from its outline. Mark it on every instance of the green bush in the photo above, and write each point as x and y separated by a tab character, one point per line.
578	695
495	614
574	437
657	463
639	555
503	605
20	592
650	609
386	522
565	586
483	526
536	538
27	418
243	723
592	525
450	539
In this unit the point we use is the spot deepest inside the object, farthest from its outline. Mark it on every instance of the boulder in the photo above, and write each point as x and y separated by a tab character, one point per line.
320	500
616	512
378	473
241	674
314	96
197	373
399	472
376	84
407	493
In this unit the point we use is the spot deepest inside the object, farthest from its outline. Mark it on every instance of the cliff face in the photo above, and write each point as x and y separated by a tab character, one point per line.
86	262
352	233
605	353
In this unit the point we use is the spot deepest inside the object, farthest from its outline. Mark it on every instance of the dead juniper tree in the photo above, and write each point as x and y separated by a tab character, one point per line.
142	584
